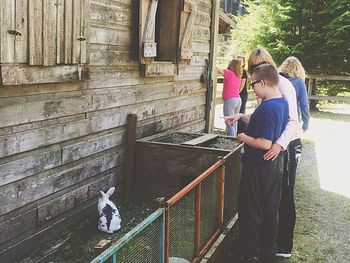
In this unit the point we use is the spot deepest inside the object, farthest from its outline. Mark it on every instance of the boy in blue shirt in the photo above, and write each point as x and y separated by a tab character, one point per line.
260	189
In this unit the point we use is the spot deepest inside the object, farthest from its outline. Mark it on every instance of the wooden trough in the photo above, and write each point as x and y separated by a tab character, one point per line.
167	162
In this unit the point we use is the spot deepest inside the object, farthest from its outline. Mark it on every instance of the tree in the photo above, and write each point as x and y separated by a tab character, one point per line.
315	31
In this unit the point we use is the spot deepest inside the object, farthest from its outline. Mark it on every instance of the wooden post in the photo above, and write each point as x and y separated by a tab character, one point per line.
212	57
167	232
313	103
130	153
221	194
197	221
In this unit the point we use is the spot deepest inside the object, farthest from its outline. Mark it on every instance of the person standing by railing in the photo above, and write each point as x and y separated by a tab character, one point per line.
230	93
293	70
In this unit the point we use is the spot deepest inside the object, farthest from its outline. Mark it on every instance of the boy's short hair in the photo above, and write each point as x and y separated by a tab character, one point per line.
268	73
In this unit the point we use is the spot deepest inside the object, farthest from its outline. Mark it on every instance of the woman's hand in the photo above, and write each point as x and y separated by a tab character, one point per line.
273	152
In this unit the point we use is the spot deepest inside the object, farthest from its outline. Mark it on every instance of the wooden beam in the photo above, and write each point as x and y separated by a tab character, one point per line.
212	57
159	69
199	140
22	74
328	77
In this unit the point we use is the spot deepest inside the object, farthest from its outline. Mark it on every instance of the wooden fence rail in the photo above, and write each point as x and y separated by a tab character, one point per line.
311	87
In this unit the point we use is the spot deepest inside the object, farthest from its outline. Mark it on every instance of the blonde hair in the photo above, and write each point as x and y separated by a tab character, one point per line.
293	67
259	55
236	66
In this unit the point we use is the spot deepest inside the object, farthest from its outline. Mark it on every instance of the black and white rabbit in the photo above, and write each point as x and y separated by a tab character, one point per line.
109	218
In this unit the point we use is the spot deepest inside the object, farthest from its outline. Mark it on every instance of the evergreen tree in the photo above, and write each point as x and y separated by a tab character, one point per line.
315	31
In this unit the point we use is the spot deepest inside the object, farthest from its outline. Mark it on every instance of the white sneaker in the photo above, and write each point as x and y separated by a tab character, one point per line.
283	254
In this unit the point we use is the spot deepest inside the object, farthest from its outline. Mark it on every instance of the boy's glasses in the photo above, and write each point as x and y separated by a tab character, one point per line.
255	82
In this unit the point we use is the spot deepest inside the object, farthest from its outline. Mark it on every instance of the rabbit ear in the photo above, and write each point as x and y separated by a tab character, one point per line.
110	191
102	194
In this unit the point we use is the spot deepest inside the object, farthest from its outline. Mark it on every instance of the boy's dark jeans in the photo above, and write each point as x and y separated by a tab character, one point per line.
287	212
259	202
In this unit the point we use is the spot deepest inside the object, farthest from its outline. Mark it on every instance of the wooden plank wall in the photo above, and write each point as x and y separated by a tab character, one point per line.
60	143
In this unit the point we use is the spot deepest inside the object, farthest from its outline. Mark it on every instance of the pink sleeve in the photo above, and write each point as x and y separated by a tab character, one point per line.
227	73
293	128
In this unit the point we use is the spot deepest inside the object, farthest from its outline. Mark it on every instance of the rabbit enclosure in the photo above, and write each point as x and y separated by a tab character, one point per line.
165	165
167	162
198	175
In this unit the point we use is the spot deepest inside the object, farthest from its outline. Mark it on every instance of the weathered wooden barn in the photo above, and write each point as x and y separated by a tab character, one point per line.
71	71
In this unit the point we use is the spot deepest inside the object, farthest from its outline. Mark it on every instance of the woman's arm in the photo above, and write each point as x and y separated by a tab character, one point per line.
220	71
304	105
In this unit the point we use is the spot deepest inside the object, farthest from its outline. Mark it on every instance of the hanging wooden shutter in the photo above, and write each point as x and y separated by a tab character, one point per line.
188	15
49	38
76	21
148	46
58	32
13	31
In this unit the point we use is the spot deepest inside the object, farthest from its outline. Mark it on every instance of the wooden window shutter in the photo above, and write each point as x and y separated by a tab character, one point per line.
44	41
73	32
148	46
58	32
188	15
13	31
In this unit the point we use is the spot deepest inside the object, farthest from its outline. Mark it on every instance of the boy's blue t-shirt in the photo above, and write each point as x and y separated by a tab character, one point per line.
268	121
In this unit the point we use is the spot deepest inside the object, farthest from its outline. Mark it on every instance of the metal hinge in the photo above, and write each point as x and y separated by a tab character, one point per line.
14	32
81	38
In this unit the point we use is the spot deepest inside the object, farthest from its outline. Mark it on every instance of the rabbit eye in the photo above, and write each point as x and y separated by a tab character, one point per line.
100	221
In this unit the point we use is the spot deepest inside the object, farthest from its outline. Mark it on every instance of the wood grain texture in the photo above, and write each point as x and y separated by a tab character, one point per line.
74	198
49	32
21	42
35	13
62	138
30	189
24	75
7	22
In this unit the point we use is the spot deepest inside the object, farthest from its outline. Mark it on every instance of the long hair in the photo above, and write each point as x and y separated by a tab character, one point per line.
293	68
236	66
243	60
259	56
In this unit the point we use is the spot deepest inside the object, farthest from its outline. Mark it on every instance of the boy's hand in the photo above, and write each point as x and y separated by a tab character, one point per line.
240	137
273	152
229	120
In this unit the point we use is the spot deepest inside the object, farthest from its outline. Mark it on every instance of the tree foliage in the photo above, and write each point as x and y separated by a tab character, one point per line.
315	31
